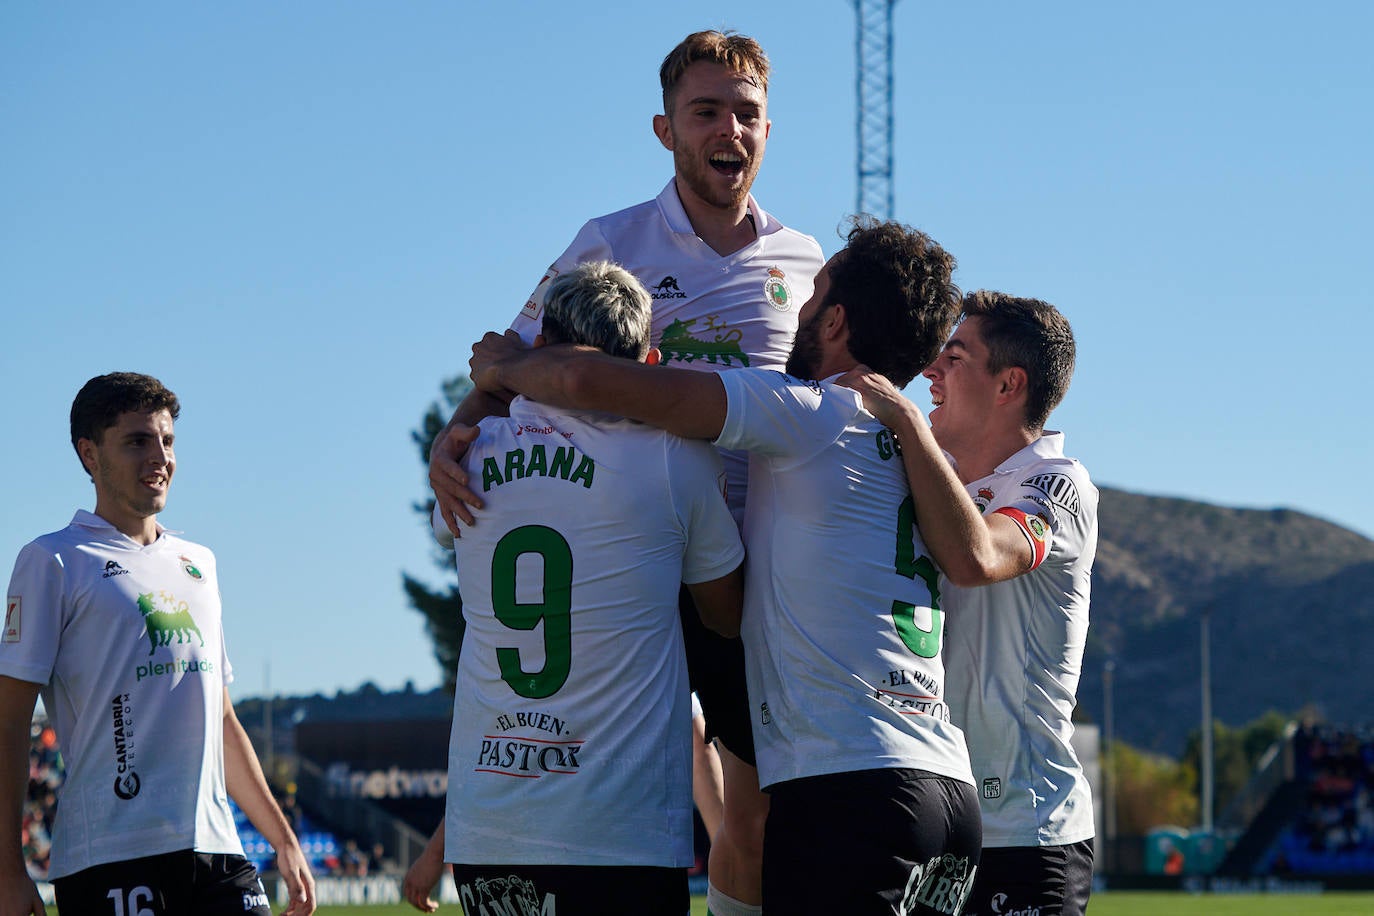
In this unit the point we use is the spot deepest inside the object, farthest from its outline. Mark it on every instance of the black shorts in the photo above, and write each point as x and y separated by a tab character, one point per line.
715	668
182	883
1049	880
572	890
878	842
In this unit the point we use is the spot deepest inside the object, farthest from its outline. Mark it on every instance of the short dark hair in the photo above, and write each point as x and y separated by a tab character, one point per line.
729	49
896	285
102	399
1032	335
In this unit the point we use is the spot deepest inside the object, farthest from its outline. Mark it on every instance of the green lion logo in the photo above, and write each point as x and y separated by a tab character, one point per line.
166	617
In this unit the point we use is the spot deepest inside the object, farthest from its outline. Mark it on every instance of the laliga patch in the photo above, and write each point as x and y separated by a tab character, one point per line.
776	290
534	307
1059	488
13	618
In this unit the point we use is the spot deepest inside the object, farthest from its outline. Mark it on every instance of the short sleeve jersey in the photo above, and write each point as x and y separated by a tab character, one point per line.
1015	651
709	312
842	623
127	642
571	740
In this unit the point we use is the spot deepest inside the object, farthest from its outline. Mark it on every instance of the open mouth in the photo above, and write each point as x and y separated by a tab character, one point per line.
728	164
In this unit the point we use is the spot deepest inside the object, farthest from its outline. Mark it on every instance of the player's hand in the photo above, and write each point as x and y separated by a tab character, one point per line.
881	397
300	883
19	897
447	478
421	879
486	353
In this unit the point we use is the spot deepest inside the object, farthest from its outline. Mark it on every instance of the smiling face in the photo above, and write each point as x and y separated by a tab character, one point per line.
132	466
717	131
962	389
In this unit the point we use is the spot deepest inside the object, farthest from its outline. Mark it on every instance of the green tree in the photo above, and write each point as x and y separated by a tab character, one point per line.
442	610
1235	753
1151	790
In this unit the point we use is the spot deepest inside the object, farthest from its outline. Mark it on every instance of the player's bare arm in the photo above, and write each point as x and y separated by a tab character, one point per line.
248	788
18	895
971	549
687	403
720	602
424	874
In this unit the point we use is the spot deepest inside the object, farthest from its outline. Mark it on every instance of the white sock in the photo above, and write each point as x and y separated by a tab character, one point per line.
718	904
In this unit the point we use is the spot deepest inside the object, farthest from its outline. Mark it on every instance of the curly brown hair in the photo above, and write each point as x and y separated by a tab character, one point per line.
102	399
896	285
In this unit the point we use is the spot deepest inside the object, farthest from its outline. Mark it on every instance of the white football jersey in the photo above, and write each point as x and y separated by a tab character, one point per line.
1014	652
710	312
127	642
571	738
842	623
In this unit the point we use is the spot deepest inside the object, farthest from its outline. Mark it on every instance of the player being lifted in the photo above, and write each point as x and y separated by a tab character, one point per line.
727	280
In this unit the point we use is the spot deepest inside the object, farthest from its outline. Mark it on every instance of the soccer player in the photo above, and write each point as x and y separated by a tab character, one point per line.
1014	649
727	280
116	620
869	781
570	763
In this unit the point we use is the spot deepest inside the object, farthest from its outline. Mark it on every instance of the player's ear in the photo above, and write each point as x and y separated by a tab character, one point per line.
663	129
88	452
1013	383
654	357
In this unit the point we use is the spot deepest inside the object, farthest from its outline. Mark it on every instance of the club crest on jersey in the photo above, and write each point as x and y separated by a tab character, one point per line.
190	569
13	618
982	499
776	290
1059	488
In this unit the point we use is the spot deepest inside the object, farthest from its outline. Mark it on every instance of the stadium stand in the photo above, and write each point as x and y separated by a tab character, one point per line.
1335	833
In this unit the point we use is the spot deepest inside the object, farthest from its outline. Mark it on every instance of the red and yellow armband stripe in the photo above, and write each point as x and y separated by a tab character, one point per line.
1035	528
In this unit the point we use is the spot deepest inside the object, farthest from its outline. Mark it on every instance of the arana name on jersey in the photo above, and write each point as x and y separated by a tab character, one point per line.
534	461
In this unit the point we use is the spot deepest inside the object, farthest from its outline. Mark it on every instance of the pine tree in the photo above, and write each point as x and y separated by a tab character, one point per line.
442	610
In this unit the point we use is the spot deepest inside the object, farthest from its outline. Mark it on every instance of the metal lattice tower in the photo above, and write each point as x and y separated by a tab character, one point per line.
874	65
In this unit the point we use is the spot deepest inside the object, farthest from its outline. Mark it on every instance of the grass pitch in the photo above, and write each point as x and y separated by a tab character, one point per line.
1109	903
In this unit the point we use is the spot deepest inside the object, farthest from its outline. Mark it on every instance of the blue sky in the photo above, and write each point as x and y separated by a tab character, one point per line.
300	215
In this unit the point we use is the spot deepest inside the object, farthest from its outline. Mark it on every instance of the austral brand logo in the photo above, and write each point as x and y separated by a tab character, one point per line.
942	885
190	569
1059	488
512	896
666	288
776	290
126	781
113	569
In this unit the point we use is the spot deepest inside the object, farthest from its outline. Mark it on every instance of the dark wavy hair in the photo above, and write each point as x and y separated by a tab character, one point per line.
896	285
102	399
